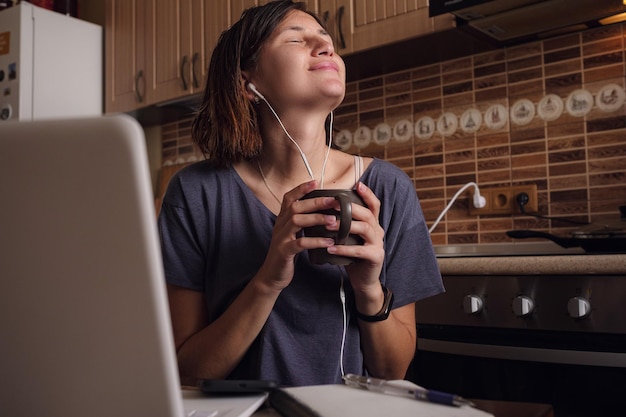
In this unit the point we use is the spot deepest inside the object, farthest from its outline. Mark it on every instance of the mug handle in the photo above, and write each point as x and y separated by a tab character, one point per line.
345	218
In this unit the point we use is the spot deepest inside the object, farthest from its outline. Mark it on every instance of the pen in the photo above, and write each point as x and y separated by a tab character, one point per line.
404	389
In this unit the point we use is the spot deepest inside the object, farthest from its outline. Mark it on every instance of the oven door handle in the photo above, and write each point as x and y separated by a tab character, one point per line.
574	357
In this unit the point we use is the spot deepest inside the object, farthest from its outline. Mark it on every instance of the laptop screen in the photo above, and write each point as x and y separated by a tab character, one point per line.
84	318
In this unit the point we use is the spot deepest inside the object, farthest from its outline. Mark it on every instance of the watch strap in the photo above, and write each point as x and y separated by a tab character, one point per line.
383	314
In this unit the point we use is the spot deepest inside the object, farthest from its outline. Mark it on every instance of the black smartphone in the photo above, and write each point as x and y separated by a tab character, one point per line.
235	386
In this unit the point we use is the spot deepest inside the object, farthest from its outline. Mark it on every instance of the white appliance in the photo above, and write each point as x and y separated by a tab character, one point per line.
50	65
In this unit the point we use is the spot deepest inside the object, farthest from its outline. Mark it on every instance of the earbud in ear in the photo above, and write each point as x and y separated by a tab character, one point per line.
252	88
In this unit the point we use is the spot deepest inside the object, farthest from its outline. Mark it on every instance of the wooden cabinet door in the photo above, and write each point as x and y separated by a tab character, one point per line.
216	20
336	14
379	22
181	37
238	6
168	50
125	70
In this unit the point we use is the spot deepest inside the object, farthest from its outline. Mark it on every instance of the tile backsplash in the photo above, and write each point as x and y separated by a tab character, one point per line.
549	113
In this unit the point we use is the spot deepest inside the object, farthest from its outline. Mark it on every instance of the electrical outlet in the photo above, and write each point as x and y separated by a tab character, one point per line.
503	200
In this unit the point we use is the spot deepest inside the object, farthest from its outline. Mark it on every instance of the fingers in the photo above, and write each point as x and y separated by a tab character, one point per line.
298	213
369	198
299	192
366	225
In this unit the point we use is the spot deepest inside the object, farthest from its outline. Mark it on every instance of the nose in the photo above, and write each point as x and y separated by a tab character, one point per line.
324	46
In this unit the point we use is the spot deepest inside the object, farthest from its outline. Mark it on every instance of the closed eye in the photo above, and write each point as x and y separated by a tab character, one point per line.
300	29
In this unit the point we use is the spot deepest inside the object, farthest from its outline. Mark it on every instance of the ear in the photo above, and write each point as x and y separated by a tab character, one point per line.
245	79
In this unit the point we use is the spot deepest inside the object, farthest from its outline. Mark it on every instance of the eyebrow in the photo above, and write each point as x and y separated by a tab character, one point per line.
296	28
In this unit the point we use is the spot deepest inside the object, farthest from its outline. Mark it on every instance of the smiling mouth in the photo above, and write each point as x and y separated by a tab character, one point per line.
327	66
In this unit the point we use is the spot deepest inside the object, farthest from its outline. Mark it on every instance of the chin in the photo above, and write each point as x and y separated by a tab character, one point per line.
337	101
337	92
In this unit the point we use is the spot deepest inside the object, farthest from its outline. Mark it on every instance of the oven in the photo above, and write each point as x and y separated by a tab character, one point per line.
549	338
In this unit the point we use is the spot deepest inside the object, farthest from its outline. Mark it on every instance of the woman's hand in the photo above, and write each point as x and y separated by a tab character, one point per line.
364	273
296	214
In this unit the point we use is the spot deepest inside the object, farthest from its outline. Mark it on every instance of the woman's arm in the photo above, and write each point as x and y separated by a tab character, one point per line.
213	351
388	345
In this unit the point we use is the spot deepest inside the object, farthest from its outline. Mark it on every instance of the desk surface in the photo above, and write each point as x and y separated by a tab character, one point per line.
497	408
514	409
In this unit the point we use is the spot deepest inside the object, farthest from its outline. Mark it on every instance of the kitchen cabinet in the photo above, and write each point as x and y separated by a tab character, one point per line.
125	55
358	25
158	50
336	15
181	38
238	6
376	23
175	48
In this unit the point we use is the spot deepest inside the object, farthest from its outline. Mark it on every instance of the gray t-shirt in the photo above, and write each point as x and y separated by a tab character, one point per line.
215	234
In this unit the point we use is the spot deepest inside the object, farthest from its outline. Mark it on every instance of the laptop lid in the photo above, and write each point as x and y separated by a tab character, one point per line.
84	319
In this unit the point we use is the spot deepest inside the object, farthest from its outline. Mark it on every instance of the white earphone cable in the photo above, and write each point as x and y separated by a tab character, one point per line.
306	162
330	139
342	296
342	293
304	158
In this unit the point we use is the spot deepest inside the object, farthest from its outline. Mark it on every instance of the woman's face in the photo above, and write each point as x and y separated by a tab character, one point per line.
298	65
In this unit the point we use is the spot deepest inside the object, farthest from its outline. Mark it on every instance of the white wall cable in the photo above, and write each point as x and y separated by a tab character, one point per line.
478	201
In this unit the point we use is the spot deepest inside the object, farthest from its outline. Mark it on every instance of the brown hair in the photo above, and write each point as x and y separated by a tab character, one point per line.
226	126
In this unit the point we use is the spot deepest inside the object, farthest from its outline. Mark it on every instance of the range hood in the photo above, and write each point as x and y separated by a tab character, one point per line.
513	21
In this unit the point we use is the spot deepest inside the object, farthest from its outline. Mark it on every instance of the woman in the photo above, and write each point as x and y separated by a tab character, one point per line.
245	301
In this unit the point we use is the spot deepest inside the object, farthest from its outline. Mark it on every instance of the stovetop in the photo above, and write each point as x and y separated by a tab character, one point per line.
504	249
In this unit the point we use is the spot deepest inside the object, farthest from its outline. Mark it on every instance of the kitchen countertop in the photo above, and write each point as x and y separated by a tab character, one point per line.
525	259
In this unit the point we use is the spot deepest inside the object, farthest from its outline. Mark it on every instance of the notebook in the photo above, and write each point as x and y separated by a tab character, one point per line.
341	401
84	320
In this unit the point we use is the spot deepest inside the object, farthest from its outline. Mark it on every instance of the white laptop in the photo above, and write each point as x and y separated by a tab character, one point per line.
84	319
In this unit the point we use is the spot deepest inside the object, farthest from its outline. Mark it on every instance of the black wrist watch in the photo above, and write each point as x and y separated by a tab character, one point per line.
383	313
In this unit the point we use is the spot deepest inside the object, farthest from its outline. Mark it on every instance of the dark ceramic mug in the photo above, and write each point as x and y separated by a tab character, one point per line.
342	236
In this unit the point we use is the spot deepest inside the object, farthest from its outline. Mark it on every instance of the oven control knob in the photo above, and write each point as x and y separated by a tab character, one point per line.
578	307
523	306
472	304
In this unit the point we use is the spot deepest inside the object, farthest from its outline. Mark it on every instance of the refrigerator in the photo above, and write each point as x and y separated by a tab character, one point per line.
51	65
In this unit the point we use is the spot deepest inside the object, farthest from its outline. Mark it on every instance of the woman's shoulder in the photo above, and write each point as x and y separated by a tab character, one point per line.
385	166
196	177
380	171
195	168
204	170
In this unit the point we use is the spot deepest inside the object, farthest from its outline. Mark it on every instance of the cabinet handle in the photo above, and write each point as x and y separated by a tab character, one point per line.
342	41
183	64
194	61
138	95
